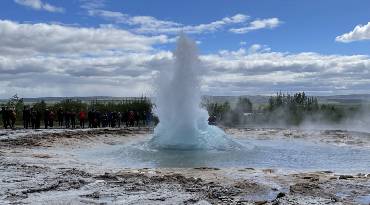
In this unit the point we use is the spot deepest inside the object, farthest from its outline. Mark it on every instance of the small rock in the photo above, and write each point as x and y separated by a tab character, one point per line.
280	195
334	199
158	199
268	171
249	168
206	168
361	175
191	201
346	177
95	195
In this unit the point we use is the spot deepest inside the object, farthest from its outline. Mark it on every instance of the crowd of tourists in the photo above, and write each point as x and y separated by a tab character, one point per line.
32	118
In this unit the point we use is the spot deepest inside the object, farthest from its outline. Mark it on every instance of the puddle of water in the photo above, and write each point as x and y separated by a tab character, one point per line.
365	200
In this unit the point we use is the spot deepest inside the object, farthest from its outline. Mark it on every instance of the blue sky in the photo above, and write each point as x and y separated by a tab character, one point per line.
304	41
306	25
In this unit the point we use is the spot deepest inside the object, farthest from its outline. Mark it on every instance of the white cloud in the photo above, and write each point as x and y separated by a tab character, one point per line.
360	32
258	24
257	48
149	24
39	5
58	39
57	60
240	72
152	25
92	4
50	60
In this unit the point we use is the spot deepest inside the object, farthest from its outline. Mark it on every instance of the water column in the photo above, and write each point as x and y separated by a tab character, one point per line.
183	123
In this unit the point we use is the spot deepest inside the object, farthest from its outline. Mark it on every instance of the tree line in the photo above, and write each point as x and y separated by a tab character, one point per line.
281	108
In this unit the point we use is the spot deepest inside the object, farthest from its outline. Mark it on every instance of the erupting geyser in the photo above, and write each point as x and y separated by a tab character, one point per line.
183	123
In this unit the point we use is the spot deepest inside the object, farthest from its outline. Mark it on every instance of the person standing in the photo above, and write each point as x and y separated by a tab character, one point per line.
26	117
148	119
98	117
82	117
104	120
73	119
137	118
67	119
51	118
46	118
33	118
119	119
114	119
131	118
212	120
38	119
4	115
60	115
12	118
90	118
125	118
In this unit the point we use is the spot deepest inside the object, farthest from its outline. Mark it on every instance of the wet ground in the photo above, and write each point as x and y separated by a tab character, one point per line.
63	167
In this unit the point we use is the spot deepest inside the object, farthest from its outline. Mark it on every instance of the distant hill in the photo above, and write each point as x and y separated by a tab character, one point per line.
260	99
255	99
83	99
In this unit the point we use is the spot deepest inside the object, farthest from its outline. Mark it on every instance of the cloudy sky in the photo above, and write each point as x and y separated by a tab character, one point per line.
117	48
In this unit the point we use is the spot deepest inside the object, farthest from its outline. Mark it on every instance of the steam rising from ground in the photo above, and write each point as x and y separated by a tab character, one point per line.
355	120
183	124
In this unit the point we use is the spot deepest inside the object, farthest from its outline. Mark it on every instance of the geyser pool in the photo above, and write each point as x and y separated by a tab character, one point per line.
183	123
285	154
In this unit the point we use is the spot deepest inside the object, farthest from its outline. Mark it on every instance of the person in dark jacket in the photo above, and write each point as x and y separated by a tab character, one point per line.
90	118
109	119
73	119
5	117
98	117
38	119
148	119
104	121
33	118
119	119
26	117
114	119
67	119
60	115
137	118
46	118
125	118
51	118
212	120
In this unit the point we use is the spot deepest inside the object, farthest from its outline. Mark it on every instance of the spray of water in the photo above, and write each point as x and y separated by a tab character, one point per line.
183	123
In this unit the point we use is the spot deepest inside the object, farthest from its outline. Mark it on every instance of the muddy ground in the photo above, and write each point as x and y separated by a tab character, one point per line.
31	174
